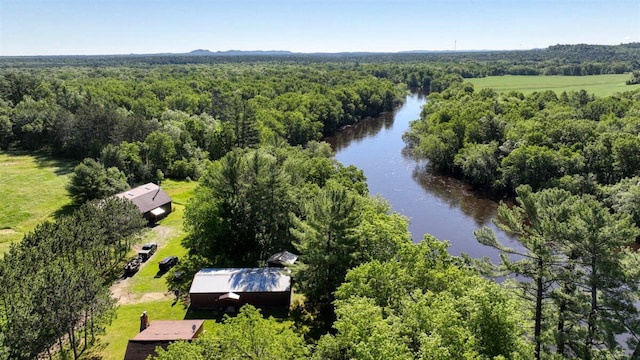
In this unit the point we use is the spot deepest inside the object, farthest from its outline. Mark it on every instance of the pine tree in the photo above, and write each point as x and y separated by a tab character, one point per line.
575	260
533	221
326	242
594	244
240	213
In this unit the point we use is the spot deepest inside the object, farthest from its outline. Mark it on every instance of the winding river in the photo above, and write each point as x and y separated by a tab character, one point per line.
438	205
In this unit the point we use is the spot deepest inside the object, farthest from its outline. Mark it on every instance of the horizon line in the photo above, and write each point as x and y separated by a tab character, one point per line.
209	52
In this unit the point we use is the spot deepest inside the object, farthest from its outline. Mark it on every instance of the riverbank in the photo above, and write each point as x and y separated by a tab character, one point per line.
438	205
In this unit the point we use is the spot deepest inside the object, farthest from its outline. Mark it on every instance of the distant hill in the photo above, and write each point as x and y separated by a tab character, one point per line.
201	52
554	60
204	52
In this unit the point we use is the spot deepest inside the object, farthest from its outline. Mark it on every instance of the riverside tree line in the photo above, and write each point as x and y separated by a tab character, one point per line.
249	131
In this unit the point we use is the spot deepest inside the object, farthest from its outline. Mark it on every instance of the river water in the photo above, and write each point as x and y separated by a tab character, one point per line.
437	205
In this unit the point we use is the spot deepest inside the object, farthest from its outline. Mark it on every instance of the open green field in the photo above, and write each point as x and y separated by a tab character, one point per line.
32	189
600	85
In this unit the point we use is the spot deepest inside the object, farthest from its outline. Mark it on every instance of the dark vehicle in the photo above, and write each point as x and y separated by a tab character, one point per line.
167	263
147	251
132	266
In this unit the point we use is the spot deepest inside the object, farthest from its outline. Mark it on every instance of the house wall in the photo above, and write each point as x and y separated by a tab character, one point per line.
152	218
140	350
258	299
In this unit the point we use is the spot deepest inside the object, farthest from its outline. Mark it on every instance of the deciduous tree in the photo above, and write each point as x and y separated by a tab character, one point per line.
246	336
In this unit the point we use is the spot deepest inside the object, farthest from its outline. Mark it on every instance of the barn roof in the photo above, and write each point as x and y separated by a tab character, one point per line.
241	280
146	197
170	330
282	258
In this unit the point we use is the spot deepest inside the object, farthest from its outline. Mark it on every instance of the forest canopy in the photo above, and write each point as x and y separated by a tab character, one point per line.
249	129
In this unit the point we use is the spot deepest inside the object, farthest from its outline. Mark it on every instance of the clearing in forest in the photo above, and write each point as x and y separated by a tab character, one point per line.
599	85
32	189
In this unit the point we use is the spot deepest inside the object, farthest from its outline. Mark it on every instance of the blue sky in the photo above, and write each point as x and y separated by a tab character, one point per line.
79	27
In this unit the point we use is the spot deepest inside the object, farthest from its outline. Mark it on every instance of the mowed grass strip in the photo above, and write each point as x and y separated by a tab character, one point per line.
113	345
32	189
599	85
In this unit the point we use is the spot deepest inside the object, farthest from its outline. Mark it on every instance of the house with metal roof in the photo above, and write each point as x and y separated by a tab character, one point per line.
162	333
153	202
234	287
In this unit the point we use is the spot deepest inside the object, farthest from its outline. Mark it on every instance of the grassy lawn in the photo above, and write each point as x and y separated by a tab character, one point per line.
32	189
147	289
148	278
600	85
125	326
113	344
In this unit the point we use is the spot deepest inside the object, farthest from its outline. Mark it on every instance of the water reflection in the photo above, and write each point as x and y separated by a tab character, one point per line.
437	205
455	193
368	127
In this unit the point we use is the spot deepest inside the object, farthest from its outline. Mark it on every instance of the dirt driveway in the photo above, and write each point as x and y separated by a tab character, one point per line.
121	288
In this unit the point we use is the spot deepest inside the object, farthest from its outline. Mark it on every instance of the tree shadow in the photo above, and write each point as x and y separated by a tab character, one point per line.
65	210
63	166
93	352
194	314
218	313
255	280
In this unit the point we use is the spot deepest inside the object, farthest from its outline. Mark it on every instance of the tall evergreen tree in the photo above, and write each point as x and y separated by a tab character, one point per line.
67	294
326	242
239	114
533	221
594	244
240	212
90	180
270	204
575	261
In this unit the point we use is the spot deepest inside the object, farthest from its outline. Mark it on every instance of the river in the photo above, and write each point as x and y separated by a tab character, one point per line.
437	205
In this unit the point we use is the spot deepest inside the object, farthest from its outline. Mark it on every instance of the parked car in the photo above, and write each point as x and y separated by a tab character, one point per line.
133	265
167	263
147	250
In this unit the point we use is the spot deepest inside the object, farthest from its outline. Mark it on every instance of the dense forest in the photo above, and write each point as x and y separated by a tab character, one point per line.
248	128
500	141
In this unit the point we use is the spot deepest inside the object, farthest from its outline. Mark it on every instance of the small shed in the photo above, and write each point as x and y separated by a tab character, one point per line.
282	259
153	202
162	333
224	287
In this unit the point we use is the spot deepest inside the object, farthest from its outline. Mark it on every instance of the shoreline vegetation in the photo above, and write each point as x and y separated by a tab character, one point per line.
236	147
22	167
